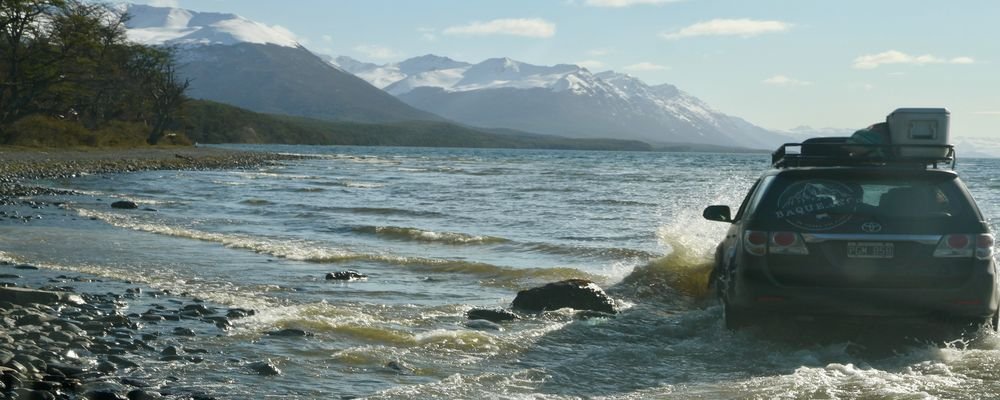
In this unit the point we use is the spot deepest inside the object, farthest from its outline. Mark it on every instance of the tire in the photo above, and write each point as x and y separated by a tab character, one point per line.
736	319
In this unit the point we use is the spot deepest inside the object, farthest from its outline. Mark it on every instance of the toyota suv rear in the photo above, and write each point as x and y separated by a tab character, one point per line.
828	233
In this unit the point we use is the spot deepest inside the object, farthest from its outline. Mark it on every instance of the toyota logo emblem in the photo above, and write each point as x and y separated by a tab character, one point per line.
871	227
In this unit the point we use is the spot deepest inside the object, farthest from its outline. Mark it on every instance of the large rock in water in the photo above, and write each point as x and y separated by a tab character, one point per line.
578	294
125	205
23	296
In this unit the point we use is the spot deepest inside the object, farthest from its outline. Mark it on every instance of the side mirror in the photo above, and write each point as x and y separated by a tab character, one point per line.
717	213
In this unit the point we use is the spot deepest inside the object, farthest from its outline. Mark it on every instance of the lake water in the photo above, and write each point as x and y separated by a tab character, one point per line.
440	231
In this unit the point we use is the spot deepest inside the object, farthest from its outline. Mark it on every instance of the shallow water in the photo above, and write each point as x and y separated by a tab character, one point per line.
439	231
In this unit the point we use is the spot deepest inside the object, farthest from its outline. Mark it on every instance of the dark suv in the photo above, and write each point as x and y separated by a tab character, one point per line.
826	233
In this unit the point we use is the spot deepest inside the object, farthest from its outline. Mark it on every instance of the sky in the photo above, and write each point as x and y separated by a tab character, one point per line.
779	64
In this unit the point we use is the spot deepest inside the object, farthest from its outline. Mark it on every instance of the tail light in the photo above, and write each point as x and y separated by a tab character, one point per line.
984	246
787	243
755	242
962	245
759	243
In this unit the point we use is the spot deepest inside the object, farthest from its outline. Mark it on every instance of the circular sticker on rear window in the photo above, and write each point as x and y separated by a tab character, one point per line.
816	204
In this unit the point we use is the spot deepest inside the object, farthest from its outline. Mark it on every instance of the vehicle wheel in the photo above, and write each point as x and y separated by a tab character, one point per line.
715	286
735	319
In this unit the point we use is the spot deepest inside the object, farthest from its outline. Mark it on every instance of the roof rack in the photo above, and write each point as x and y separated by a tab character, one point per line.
837	152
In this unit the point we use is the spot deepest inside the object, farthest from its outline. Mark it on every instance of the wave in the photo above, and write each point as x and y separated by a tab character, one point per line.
221	292
496	171
614	253
347	184
680	272
316	252
363	328
686	269
256	202
382	211
549	189
403	233
616	202
453	238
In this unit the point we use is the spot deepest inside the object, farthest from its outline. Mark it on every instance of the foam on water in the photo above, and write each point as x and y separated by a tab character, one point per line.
302	250
396	232
442	231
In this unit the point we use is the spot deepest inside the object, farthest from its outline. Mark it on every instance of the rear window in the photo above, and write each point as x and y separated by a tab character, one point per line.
908	203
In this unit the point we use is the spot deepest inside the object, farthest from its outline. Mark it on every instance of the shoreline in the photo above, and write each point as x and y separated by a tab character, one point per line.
91	347
18	165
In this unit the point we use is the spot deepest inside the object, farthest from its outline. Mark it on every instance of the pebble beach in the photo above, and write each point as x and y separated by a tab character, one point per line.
73	336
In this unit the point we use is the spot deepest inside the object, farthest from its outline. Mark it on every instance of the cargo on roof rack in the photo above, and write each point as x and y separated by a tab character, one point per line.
837	151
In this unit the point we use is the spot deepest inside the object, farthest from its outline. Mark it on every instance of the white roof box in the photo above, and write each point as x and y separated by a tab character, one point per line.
919	126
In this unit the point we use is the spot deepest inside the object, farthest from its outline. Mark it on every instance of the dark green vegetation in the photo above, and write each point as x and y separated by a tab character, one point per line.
210	122
69	77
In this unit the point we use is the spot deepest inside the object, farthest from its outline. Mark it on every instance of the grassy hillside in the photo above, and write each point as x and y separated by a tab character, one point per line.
211	122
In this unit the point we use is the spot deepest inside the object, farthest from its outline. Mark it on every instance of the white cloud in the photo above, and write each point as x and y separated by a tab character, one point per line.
782	80
645	66
590	64
327	38
164	3
625	3
728	27
528	27
377	52
872	61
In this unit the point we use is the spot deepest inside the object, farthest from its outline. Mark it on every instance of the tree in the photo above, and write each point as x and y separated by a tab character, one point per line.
154	72
26	58
71	60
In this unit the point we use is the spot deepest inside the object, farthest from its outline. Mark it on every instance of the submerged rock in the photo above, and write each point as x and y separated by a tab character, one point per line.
578	294
290	332
492	315
23	296
483	325
349	275
125	205
399	367
265	368
235	313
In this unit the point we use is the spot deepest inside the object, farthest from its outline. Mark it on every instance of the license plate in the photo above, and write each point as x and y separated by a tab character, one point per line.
870	250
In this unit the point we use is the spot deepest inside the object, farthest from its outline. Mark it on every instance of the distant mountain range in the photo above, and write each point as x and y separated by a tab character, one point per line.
234	60
562	99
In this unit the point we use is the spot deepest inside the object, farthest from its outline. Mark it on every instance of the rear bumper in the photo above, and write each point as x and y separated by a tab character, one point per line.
977	298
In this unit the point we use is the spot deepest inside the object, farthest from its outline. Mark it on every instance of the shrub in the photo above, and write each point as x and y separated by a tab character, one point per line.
176	139
44	131
122	134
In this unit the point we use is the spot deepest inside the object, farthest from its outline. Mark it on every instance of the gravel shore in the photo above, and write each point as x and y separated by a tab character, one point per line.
69	336
19	165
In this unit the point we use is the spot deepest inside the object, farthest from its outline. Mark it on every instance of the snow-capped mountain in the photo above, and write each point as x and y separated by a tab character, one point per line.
175	26
234	60
976	147
563	99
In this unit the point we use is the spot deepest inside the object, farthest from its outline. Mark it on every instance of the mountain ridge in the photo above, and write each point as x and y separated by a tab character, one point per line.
565	99
233	60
